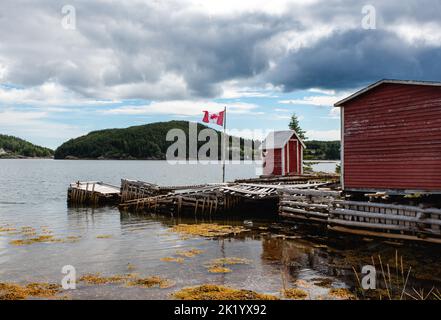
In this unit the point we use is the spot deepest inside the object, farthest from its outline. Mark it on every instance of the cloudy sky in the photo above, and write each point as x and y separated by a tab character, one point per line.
123	63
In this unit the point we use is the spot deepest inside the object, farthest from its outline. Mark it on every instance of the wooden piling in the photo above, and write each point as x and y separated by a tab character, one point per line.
92	193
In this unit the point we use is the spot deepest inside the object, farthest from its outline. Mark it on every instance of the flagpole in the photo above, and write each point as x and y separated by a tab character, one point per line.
225	145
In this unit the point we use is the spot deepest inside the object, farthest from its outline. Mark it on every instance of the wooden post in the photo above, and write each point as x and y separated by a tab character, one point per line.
226	142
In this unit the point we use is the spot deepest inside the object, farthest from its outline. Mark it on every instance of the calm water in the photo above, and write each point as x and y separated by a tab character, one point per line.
327	166
33	194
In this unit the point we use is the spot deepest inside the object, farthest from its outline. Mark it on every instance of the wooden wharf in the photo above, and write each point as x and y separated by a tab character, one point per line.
312	200
92	192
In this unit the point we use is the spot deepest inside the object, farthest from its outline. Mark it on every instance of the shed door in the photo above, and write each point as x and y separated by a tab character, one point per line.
293	156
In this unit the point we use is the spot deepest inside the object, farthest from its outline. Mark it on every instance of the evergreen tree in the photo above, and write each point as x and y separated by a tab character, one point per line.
294	125
13	146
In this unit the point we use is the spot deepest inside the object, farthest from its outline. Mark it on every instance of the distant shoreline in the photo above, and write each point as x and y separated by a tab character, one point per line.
24	158
321	161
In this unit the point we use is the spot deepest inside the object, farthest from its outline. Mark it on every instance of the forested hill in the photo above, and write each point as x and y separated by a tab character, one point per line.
322	150
13	147
149	142
138	142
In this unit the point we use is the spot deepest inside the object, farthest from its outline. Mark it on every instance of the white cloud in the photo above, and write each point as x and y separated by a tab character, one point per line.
3	71
334	113
324	135
12	117
236	89
189	49
47	94
182	108
322	91
294	40
166	86
282	110
418	33
252	134
320	101
37	127
216	7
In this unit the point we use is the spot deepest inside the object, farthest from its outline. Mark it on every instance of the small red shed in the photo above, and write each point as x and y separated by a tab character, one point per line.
391	138
283	153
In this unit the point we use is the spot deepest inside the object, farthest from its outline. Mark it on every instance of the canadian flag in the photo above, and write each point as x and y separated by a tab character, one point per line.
217	118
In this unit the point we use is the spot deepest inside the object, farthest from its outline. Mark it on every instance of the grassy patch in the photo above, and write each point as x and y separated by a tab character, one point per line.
216	292
41	238
206	230
7	229
12	291
341	293
218	269
150	282
97	278
189	253
44	238
323	282
294	293
104	236
171	259
131	280
219	265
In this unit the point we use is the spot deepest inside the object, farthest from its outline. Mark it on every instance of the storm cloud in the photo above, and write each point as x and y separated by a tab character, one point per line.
171	50
354	58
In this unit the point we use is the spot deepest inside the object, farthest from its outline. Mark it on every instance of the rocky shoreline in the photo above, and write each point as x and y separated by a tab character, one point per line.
17	156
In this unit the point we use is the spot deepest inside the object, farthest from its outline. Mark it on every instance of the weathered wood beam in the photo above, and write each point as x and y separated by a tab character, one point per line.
386	216
389	206
383	234
309	192
304	212
300	217
304	204
384	226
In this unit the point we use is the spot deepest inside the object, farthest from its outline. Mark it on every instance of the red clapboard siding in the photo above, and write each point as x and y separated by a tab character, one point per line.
273	162
392	138
293	157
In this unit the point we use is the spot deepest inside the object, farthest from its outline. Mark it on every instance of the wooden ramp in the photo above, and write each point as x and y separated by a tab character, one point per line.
92	192
386	220
294	179
263	191
307	205
362	218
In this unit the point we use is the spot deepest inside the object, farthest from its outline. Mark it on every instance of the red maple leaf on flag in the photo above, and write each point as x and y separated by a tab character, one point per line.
217	118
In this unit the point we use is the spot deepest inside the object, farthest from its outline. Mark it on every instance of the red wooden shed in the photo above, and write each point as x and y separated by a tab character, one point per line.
283	153
391	138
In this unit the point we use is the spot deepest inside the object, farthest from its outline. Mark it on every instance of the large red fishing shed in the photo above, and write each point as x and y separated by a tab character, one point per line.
283	153
391	138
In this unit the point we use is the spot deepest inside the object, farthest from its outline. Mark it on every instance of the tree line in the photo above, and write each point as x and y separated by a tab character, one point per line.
11	146
146	142
315	150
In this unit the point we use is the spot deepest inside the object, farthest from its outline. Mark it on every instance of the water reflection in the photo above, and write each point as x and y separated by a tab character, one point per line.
34	195
281	256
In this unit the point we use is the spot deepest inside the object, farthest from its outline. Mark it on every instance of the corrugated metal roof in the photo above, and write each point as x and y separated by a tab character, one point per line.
278	139
376	84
